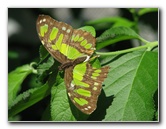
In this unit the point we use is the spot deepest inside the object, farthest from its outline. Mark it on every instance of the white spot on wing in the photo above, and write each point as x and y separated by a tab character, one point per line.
44	20
42	42
96	83
72	85
89	107
68	30
94	88
93	48
63	28
40	21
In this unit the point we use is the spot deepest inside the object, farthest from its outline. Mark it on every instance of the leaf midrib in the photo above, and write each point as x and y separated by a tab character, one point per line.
132	83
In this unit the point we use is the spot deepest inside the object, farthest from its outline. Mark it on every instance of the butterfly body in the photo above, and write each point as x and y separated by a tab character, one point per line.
73	49
72	63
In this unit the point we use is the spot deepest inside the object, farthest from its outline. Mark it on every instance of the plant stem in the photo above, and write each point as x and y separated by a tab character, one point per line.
33	69
144	41
149	46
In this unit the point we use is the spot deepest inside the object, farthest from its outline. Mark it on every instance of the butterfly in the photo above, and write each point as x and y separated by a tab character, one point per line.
73	49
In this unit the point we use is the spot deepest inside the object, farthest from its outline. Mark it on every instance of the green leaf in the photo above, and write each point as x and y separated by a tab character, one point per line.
15	79
156	115
43	53
114	35
44	69
27	99
60	109
155	49
95	63
133	80
147	10
15	118
117	21
89	29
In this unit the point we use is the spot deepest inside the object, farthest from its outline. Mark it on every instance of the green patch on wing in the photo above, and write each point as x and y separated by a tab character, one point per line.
79	71
54	33
43	30
79	83
65	49
83	92
81	101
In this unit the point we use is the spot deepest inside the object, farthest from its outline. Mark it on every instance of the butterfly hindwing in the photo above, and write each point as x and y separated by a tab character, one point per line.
84	84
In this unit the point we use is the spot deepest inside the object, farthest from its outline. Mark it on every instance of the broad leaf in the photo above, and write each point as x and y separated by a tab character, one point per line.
156	115
28	98
15	79
44	69
133	80
60	109
114	35
89	29
116	21
43	53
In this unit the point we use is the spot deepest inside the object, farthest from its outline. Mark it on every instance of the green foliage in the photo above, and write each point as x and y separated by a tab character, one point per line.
15	78
44	69
114	35
144	11
116	21
89	29
28	98
134	80
60	109
128	92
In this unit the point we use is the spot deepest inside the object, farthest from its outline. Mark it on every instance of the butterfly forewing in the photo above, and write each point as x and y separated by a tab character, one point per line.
62	41
84	84
54	36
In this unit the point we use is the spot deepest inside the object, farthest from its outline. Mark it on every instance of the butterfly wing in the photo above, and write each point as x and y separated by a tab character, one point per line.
62	41
84	84
52	34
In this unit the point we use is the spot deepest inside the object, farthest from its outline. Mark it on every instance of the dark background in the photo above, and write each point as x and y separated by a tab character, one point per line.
23	41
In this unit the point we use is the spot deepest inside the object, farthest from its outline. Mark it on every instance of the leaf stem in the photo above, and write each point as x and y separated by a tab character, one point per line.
32	66
149	46
144	41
